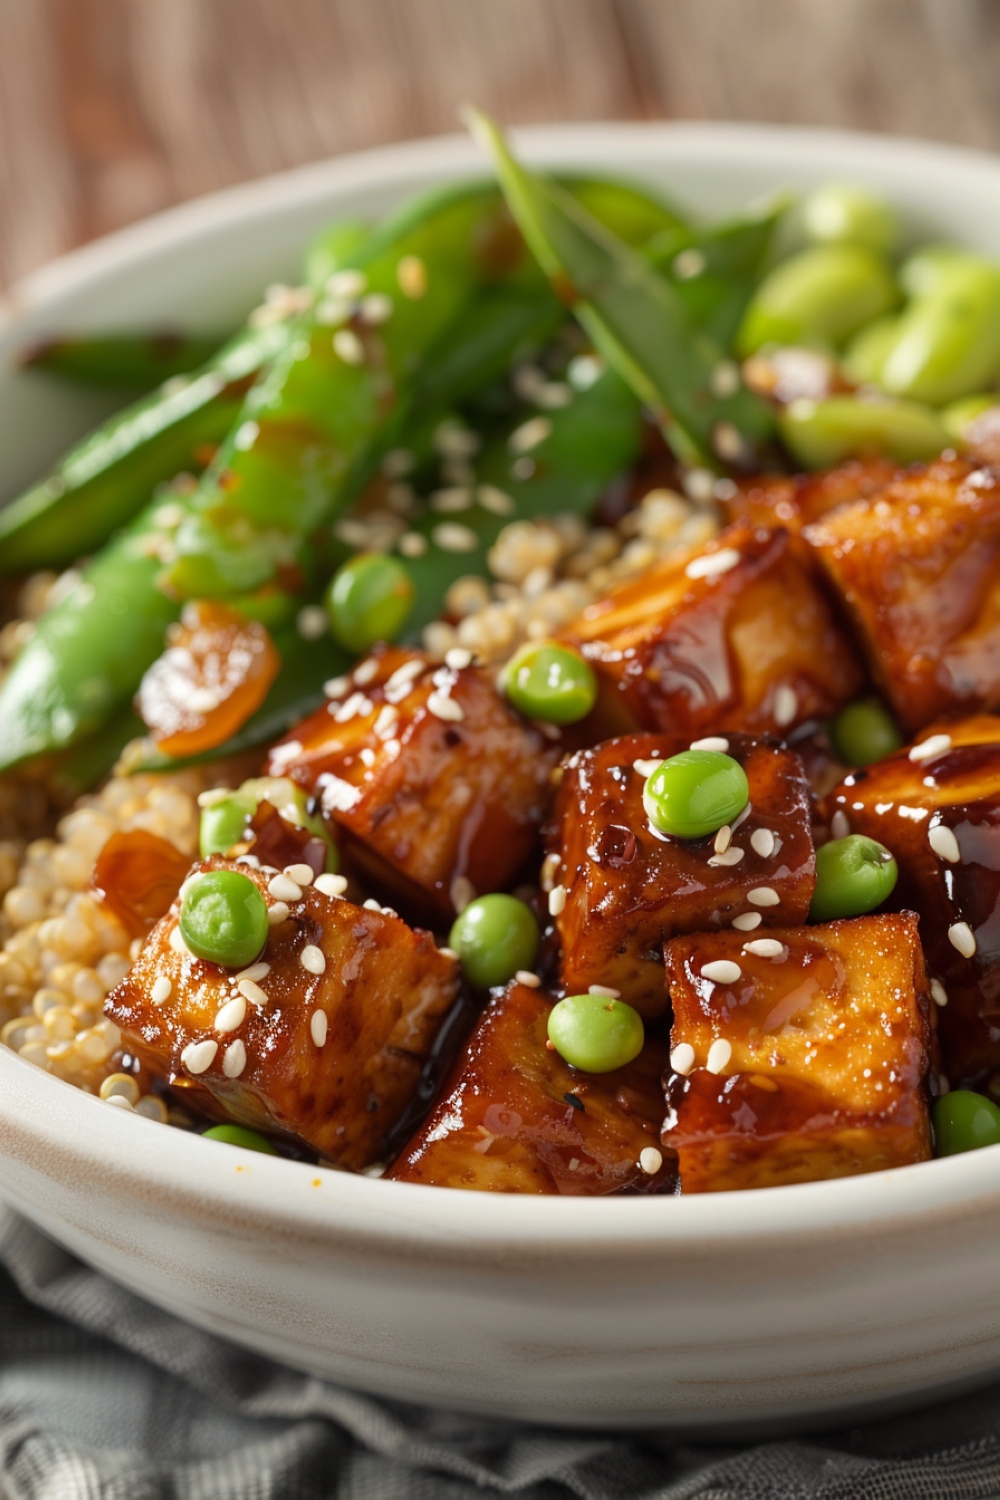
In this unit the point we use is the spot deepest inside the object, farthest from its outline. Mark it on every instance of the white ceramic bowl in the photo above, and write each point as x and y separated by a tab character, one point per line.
725	1311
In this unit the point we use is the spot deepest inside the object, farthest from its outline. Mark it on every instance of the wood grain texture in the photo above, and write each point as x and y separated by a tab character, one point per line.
111	109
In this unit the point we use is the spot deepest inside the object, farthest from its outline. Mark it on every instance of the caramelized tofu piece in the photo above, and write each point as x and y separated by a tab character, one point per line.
429	777
919	571
794	500
513	1117
332	1057
805	1057
938	810
629	888
736	636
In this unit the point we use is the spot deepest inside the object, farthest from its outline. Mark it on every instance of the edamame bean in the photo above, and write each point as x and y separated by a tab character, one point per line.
959	415
822	295
865	354
948	341
819	434
853	875
494	937
369	599
224	919
920	272
222	823
844	214
550	682
595	1033
239	1135
864	732
694	793
965	1121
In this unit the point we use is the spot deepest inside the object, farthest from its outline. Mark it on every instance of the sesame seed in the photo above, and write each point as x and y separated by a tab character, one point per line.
458	658
447	952
313	959
245	436
442	707
944	843
412	544
371	904
938	993
398	462
725	380
348	347
839	825
557	900
931	748
232	1015
605	990
525	977
117	1101
786	705
330	885
718	1055
462	893
688	264
962	937
723	839
721	971
747	921
301	874
277	914
376	309
762	842
311	622
318	1027
550	865
765	948
346	283
730	856
529	434
331	312
711	742
404	675
730	444
584	371
283	888
495	500
161	990
351	707
452	536
944	1087
386	722
650	1160
234	1059
452	500
178	944
682	1058
366	672
763	895
523	467
198	1057
251	990
699	486
713	564
255	971
411	273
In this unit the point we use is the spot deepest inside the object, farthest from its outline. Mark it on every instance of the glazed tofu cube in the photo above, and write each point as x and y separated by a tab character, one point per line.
513	1117
736	636
325	1038
918	569
936	805
797	1056
627	888
794	500
432	782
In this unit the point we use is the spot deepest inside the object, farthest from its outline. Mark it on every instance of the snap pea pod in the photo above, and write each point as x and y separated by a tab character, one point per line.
102	482
635	316
139	360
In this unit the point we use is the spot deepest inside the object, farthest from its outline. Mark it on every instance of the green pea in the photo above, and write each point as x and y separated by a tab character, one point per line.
695	793
865	354
864	732
964	1121
546	681
959	415
842	213
239	1135
948	341
224	918
853	875
822	295
223	823
292	803
494	937
820	434
369	599
595	1033
920	272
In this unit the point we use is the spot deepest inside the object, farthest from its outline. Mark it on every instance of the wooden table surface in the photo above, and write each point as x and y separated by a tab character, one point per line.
112	109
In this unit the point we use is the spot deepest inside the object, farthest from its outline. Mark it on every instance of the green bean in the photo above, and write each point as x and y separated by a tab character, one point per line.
140	360
634	316
819	296
865	354
948	340
821	433
958	416
842	213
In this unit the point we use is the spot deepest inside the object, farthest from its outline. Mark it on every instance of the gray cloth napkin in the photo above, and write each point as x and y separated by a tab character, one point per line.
103	1397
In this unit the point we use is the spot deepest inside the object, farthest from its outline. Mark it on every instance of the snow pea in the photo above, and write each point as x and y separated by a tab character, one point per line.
634	315
141	360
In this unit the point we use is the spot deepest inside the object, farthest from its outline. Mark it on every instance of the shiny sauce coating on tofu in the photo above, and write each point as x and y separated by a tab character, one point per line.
629	888
800	1056
330	1057
513	1117
918	568
427	776
794	500
936	806
737	636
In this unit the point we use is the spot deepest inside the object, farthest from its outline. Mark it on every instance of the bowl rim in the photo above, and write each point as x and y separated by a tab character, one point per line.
45	1119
